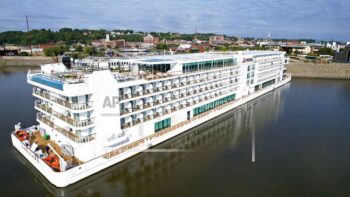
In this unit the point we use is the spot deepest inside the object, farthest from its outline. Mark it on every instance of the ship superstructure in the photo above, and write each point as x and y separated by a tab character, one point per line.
101	113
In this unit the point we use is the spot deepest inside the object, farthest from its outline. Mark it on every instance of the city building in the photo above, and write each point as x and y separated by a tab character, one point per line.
149	39
107	43
218	40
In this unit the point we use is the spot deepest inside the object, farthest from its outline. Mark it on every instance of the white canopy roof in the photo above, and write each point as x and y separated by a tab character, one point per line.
53	68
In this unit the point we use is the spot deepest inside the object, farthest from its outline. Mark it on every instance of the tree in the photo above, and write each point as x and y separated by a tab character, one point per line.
326	51
55	51
78	48
90	50
23	53
161	46
221	48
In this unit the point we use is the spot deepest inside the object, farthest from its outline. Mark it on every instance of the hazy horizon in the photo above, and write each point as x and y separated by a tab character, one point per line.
318	19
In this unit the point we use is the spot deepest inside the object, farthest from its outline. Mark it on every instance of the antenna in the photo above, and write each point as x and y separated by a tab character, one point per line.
30	43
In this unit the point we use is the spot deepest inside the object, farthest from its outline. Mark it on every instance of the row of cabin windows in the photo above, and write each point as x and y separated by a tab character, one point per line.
162	124
154	68
194	66
214	104
269	83
144	85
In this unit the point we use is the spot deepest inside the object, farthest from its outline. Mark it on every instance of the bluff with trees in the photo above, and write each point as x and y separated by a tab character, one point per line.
67	35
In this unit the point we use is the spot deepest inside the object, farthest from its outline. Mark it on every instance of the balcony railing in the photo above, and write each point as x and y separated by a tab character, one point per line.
71	121
168	87
65	132
62	102
182	95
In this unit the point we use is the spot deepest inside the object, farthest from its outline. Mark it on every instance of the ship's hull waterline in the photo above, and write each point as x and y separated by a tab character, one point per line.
73	175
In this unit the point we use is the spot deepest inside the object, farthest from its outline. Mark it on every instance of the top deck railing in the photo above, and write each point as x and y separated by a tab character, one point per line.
72	77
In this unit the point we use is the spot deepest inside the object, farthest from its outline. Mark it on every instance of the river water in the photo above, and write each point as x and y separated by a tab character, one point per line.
302	146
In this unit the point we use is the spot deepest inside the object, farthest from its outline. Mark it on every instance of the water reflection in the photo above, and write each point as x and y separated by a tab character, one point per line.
4	70
141	174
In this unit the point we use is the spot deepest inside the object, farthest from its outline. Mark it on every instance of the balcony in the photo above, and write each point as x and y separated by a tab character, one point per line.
168	99
62	102
123	112
126	96
126	125
137	121
175	97
65	132
69	120
158	89
136	94
147	105
138	107
168	87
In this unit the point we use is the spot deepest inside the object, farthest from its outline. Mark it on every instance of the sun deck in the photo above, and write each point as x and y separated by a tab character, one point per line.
42	143
33	138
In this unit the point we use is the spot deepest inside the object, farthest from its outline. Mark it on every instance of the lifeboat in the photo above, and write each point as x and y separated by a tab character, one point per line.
22	135
53	161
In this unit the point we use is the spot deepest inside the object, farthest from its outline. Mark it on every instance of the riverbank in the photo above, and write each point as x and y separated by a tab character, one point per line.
319	71
20	61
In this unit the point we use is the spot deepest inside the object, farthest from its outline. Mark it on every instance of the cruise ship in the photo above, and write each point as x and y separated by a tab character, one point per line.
103	111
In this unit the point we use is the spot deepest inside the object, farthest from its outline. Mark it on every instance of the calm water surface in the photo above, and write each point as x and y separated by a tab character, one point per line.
302	137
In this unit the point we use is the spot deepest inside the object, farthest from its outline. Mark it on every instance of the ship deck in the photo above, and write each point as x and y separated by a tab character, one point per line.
42	143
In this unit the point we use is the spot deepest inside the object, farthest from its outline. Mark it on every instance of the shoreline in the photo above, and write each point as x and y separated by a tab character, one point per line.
25	61
335	71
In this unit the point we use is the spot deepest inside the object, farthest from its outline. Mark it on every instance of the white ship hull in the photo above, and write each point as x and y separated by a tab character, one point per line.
73	175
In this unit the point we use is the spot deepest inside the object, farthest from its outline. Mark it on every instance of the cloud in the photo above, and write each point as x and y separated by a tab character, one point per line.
319	19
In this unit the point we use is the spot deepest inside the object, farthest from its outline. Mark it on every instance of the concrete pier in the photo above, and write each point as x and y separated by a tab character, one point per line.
319	71
25	61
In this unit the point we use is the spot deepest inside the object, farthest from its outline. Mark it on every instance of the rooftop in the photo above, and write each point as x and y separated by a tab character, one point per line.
199	56
56	79
183	57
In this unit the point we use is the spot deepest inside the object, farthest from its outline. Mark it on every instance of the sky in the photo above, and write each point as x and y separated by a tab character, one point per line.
315	19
